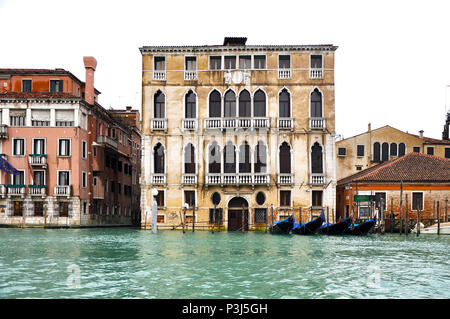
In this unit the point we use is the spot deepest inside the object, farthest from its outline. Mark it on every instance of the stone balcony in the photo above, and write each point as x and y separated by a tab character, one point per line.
108	141
285	123
237	179
37	159
189	179
317	179
158	124
317	123
190	75
158	179
284	73
64	190
316	73
39	190
3	190
190	124
16	190
3	131
285	179
236	123
159	75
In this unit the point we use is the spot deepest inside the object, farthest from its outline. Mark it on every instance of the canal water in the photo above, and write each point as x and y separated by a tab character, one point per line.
133	263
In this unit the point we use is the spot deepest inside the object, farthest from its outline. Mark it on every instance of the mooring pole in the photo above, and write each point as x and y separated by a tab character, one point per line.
300	216
193	217
418	217
214	218
446	208
439	219
392	215
401	207
184	219
243	220
407	217
271	225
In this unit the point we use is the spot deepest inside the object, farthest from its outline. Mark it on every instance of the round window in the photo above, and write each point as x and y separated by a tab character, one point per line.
260	198
215	198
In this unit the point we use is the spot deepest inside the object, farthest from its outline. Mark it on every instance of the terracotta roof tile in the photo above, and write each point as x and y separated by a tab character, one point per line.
37	95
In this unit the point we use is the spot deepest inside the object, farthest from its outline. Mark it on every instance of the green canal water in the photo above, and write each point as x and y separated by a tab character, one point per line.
133	263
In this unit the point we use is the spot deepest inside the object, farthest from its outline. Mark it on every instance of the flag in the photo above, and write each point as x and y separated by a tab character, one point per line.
7	167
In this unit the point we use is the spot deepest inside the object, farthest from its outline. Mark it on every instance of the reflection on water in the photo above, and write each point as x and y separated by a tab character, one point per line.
131	263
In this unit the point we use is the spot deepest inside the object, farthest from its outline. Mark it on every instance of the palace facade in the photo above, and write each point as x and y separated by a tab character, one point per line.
245	131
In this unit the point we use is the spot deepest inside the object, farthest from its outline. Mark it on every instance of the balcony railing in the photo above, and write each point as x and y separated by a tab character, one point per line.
38	190
37	159
285	123
317	123
104	139
3	189
236	122
190	75
158	124
190	124
158	179
284	73
261	122
285	179
16	189
159	75
3	131
317	179
189	179
237	179
316	73
62	190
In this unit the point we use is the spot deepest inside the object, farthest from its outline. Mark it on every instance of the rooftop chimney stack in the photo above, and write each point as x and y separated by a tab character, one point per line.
421	133
90	63
369	127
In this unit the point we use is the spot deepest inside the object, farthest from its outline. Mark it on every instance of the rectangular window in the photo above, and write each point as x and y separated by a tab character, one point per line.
63	178
119	166
18	146
284	62
26	85
217	218
260	215
119	188
316	61
342	151
18	179
84	179
447	152
17	117
358	167
160	63
317	198
38	209
364	212
189	198
56	86
360	150
40	117
160	198
63	209
113	186
191	63
417	200
259	61
285	198
245	62
39	177
64	147
64	117
230	62
215	62
416	149
94	151
18	208
84	149
430	150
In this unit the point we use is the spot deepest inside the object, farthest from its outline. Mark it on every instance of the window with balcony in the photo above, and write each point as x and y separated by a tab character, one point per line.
215	62
285	158
316	159
63	178
39	177
160	105
27	85
393	149
40	117
245	165
230	104
284	104
229	157
316	103
160	63
190	105
39	146
17	117
64	147
285	198
259	62
230	62
284	62
376	152
245	62
260	164
64	117
158	156
316	67
215	104
214	158
259	104
244	104
18	147
56	86
189	159
190	73
401	149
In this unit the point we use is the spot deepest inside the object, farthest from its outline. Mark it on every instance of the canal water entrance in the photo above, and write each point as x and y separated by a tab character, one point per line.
237	214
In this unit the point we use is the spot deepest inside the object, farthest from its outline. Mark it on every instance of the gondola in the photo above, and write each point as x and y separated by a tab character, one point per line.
310	227
360	229
335	229
283	226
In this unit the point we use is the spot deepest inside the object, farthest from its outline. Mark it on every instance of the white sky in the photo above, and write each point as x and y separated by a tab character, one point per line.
392	64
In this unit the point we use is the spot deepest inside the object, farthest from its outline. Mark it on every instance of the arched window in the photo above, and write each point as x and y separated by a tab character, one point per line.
316	103
376	152
189	159
214	158
215	108
259	103
393	149
260	162
160	105
158	155
190	105
401	149
285	158
230	104
385	152
285	104
244	104
316	159
244	158
229	157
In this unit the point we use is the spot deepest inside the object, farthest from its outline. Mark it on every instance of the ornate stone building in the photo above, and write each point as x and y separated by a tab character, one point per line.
243	127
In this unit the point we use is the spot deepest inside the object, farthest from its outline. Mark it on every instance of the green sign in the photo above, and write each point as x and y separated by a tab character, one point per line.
361	198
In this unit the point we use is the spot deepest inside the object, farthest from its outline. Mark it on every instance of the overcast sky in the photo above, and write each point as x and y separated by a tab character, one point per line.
392	64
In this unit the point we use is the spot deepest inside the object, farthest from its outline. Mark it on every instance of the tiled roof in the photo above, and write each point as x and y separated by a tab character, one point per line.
37	95
413	167
33	71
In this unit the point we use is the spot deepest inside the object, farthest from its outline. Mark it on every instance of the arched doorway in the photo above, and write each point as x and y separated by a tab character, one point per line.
237	214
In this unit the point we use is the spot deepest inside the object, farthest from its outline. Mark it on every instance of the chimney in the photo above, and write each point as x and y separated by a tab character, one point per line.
421	133
369	127
90	63
128	108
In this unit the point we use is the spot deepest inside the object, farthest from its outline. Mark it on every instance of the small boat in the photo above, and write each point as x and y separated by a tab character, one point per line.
283	226
335	229
310	227
444	229
360	229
